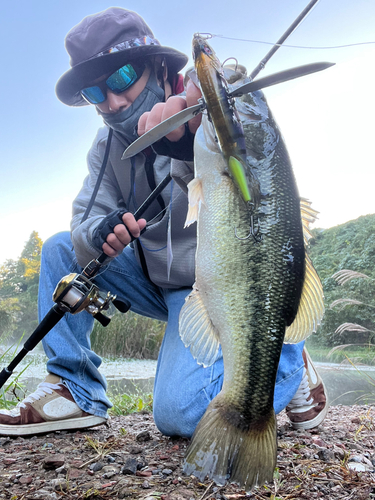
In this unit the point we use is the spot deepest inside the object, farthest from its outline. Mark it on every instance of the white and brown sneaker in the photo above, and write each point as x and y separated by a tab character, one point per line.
50	408
310	403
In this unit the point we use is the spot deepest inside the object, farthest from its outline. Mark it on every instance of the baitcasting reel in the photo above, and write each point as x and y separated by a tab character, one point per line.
75	293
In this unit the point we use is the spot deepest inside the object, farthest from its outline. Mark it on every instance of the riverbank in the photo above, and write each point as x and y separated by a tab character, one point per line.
131	459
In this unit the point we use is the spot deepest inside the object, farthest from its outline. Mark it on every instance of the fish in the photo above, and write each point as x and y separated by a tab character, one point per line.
255	286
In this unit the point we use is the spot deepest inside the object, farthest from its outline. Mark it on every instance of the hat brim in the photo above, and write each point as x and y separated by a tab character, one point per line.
75	79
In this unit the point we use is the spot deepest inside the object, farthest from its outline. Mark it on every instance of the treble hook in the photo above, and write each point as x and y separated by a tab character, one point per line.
254	232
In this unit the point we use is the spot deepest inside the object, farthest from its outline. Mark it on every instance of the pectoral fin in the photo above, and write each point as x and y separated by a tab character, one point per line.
197	330
195	197
311	307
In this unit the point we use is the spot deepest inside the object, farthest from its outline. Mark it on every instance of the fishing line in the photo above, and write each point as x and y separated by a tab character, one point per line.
294	46
163	210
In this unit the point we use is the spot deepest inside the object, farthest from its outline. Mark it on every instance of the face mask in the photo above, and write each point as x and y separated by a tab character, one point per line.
126	122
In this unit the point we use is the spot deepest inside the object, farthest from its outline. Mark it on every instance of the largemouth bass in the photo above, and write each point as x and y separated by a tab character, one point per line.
249	287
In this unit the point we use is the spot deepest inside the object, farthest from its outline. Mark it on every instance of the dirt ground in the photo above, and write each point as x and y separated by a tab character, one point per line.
131	459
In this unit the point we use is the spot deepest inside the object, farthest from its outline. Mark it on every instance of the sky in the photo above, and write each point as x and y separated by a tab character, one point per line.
327	119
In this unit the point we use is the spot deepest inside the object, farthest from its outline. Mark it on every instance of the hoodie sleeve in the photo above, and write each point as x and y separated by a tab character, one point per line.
108	199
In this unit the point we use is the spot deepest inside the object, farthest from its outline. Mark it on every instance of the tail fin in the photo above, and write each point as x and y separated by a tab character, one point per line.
224	451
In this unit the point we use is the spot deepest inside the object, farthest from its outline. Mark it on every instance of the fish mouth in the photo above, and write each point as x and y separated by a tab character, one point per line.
200	46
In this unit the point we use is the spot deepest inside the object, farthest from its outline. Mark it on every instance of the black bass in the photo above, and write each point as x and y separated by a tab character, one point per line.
253	280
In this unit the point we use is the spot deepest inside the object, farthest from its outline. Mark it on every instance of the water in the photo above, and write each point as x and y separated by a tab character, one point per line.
345	385
123	375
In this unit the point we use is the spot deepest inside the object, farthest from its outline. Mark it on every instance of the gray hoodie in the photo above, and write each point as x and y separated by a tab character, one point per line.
126	185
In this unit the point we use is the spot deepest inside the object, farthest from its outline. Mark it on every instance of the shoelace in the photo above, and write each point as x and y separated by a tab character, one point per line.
42	390
300	398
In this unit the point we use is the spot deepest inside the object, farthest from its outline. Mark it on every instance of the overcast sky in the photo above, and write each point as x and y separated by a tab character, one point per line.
327	119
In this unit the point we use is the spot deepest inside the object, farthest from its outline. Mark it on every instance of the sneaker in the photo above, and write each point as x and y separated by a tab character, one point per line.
50	408
310	403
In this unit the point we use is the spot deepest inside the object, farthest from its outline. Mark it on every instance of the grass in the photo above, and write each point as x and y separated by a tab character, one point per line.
128	336
124	404
11	392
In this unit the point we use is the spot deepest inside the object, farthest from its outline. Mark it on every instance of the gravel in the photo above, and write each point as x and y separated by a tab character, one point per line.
334	461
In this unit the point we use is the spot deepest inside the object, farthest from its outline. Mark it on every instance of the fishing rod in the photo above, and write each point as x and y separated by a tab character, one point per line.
76	292
282	39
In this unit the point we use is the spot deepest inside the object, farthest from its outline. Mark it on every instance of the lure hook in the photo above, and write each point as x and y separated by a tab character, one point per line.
205	36
254	232
228	59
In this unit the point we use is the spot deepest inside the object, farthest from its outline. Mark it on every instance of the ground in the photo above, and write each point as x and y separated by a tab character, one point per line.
131	459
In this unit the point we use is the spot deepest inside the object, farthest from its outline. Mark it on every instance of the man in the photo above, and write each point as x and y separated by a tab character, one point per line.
119	67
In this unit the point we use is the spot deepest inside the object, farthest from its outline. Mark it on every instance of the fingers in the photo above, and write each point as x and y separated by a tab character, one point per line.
193	93
160	112
164	110
122	235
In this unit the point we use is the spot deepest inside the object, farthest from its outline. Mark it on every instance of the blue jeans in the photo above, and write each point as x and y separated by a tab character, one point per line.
183	389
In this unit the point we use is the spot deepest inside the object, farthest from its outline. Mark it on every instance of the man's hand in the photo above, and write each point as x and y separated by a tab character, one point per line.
173	105
116	231
123	234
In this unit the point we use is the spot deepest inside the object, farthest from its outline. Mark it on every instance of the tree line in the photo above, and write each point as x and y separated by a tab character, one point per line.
348	246
19	292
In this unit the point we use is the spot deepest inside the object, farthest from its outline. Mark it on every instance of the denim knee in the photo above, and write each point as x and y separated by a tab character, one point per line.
58	248
173	417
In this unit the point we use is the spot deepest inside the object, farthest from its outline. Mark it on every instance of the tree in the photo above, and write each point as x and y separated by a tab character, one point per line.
29	262
19	291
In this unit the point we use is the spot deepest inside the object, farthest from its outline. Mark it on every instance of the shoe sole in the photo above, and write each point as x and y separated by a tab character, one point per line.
55	425
310	424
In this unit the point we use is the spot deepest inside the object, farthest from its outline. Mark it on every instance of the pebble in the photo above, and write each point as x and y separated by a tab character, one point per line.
51	462
135	450
45	495
26	480
111	468
130	466
144	473
143	436
97	466
62	470
59	484
359	467
167	472
146	485
110	459
326	455
9	461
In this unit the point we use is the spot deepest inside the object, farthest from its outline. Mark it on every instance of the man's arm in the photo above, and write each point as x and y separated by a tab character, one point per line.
113	241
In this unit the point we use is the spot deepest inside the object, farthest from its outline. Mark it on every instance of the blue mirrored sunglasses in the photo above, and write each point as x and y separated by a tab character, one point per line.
118	82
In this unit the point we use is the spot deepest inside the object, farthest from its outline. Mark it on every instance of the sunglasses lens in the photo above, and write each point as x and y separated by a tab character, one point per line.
123	78
93	95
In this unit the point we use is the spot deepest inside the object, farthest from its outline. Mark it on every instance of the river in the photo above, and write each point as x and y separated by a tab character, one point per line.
345	384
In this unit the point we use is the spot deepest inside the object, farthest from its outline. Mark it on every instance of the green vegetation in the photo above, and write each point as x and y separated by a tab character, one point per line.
19	291
124	404
349	246
358	354
128	336
12	391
